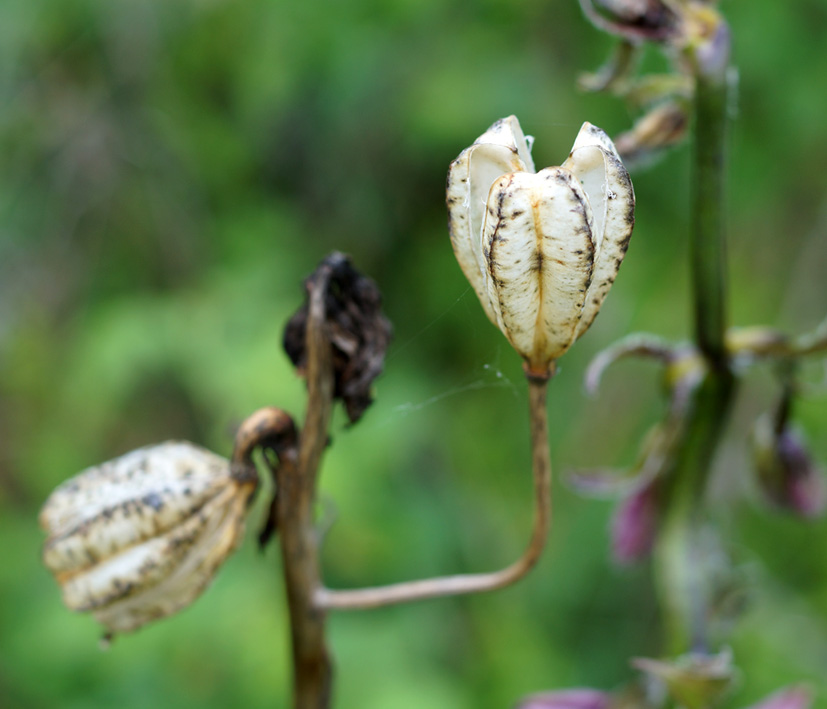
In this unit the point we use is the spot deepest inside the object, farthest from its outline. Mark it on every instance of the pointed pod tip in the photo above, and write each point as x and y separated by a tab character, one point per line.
508	133
592	135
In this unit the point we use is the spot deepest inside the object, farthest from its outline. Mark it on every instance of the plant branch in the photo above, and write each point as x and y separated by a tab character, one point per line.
296	481
473	583
814	342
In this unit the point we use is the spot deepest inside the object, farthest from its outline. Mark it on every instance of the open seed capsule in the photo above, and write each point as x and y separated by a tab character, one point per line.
140	537
541	249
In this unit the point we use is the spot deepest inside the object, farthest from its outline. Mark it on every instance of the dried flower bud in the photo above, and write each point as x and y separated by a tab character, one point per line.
140	537
789	698
358	331
661	128
568	699
540	249
786	472
634	20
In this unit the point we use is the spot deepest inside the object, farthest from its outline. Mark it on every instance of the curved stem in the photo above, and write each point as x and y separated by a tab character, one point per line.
473	583
267	426
813	342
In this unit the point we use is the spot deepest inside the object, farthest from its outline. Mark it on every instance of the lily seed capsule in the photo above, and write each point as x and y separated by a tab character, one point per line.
541	249
140	537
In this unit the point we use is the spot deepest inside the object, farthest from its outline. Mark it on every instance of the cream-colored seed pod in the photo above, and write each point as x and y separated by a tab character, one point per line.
541	249
140	537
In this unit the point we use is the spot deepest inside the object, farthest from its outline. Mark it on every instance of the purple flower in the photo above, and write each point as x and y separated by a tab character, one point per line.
634	525
789	698
567	699
804	482
787	474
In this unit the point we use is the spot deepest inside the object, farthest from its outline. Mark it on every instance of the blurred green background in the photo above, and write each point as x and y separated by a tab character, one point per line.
170	172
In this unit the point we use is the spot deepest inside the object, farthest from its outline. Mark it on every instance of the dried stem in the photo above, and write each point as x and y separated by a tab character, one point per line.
296	475
473	583
269	427
296	481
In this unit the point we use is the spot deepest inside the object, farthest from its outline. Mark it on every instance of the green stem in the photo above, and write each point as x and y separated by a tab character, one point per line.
679	553
679	567
707	242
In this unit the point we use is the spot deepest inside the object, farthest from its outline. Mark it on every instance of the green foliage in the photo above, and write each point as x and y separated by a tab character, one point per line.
173	170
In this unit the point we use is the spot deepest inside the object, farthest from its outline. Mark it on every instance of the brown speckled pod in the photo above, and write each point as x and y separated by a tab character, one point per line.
541	249
140	537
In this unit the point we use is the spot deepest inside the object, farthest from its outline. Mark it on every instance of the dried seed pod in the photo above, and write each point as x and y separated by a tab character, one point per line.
140	537
663	127
540	249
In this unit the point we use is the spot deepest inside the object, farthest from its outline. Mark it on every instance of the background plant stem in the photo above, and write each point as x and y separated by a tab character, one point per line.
679	554
678	565
707	240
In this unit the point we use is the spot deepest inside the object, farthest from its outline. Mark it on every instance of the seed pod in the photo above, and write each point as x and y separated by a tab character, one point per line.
663	127
140	537
540	249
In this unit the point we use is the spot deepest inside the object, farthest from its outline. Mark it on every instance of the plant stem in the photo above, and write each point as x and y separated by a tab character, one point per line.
813	342
679	554
296	476
296	482
678	563
474	583
707	242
